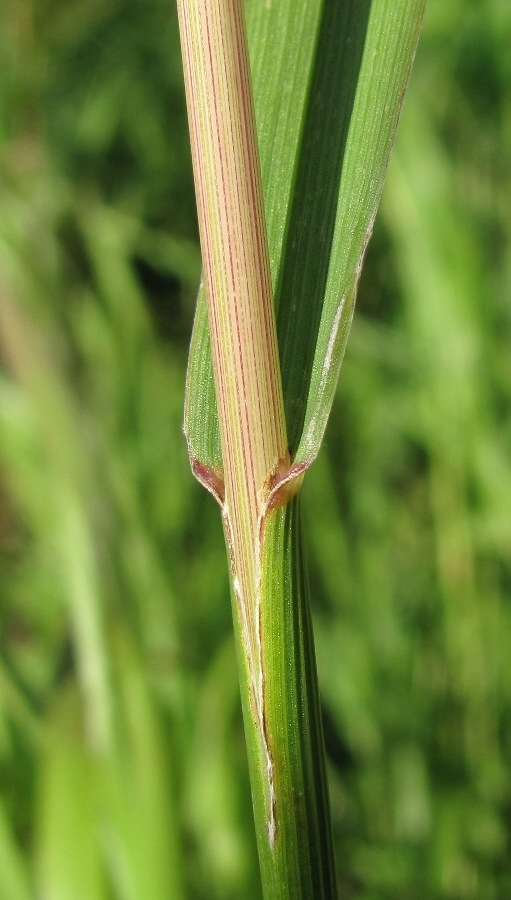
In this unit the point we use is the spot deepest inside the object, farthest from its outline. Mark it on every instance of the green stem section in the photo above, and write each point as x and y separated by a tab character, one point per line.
300	863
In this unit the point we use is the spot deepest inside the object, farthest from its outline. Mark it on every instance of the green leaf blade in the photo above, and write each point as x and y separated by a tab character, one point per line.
386	42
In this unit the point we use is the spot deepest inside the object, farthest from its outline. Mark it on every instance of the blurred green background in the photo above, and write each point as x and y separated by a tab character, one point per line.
122	760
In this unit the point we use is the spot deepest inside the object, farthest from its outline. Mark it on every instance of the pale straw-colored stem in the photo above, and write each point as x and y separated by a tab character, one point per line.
240	305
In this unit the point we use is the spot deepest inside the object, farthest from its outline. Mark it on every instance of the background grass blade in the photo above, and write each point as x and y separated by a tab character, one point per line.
66	805
14	878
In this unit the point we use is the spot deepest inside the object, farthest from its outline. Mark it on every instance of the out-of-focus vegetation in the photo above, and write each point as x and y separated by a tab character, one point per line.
122	762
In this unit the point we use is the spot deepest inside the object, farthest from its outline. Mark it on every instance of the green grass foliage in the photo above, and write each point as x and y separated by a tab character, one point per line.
122	760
